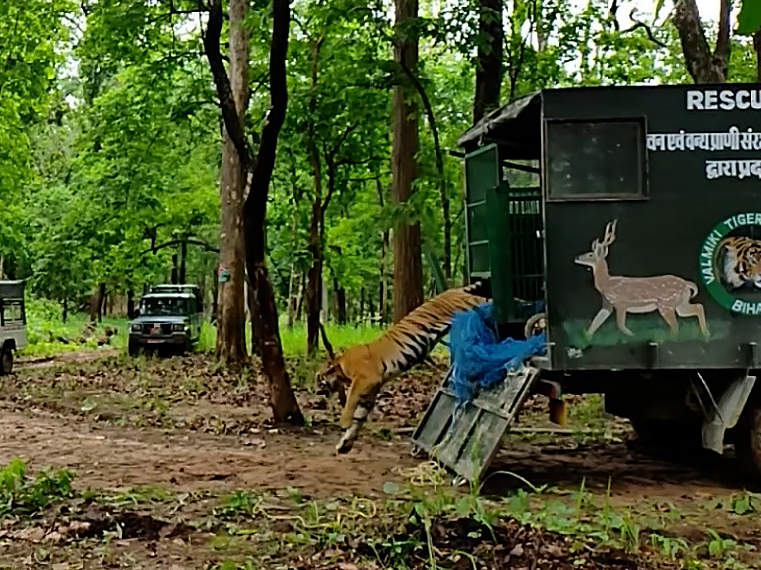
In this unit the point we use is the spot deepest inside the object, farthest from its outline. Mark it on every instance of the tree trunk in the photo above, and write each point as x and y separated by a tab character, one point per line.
102	304
382	286
443	196
284	406
314	279
340	302
183	257
251	308
95	301
703	66
408	273
314	275
231	306
65	310
300	296
130	303
489	67
361	316
292	294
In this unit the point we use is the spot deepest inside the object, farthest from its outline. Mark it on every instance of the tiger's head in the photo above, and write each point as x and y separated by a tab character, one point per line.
331	379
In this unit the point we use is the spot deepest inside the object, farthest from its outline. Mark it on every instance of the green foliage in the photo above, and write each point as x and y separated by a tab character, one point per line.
749	18
238	504
48	334
137	496
110	139
670	547
22	495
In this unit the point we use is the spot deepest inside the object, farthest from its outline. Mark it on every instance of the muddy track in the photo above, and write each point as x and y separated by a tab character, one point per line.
108	457
32	362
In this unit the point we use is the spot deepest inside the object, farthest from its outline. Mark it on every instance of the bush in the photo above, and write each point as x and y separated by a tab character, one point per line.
20	494
44	320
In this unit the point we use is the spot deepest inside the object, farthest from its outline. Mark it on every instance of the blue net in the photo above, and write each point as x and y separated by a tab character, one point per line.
478	359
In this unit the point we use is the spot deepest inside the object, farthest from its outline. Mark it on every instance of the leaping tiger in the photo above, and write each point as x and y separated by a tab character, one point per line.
364	368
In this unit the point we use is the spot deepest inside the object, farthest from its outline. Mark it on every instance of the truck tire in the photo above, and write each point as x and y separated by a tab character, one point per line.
132	348
6	360
748	440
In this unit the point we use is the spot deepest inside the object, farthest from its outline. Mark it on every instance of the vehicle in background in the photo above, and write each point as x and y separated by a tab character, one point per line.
12	322
169	317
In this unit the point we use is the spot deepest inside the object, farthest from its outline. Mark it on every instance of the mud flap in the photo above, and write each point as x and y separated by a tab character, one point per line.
726	413
465	439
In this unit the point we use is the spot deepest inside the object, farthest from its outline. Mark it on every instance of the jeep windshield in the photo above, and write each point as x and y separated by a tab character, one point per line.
164	307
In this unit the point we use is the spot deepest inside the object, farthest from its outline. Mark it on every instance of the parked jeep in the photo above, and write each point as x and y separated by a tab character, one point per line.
169	317
12	322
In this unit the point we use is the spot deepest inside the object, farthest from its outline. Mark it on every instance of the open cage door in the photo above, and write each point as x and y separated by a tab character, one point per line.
465	438
504	234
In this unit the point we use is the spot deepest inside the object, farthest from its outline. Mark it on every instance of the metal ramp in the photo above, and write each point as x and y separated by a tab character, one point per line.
466	440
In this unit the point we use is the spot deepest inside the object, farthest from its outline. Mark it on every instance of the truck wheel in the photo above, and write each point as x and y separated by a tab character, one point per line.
6	360
535	324
748	440
132	348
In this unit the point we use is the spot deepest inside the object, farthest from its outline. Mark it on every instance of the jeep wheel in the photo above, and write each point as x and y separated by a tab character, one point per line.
6	360
748	440
132	348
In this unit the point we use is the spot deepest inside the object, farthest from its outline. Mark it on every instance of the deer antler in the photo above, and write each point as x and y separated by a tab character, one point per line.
610	233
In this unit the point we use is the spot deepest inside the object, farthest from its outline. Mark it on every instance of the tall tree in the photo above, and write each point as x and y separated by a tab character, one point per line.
256	171
489	66
314	276
231	314
408	271
704	65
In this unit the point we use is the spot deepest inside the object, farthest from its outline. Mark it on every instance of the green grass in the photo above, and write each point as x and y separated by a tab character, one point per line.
45	329
294	338
645	328
340	336
24	495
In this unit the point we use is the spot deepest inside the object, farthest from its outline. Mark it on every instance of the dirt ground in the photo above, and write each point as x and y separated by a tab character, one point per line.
159	447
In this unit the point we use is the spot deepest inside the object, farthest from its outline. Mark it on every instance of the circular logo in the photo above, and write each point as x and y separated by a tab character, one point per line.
730	263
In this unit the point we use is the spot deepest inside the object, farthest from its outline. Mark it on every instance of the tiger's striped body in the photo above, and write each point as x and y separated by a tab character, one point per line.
741	262
364	368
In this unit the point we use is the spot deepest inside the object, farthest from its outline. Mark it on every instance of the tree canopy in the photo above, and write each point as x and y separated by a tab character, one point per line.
110	131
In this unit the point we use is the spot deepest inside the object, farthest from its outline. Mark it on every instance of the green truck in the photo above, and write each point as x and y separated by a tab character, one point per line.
627	220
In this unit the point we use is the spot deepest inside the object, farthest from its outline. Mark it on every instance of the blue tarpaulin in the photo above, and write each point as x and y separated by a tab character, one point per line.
478	359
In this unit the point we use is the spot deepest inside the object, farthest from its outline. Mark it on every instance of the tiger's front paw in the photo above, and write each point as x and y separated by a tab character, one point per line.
347	440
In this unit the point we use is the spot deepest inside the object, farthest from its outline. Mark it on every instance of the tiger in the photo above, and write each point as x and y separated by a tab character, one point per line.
741	261
364	368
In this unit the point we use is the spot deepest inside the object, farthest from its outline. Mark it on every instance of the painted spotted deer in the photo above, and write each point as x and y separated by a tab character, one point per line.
668	294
